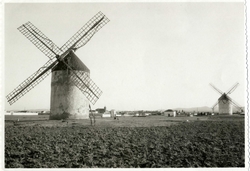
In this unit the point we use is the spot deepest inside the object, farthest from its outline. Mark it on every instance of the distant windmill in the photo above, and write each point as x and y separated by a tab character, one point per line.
225	102
71	86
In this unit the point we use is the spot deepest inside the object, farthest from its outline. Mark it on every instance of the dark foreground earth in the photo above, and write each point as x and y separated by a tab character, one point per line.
146	142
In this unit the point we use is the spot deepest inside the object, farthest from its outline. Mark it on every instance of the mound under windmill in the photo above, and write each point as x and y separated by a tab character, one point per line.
71	86
226	103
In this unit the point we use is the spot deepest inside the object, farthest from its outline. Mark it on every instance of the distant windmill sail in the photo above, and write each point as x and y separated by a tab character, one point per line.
214	105
236	104
219	91
55	54
232	89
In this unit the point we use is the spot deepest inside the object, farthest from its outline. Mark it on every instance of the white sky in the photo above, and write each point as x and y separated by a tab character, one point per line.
149	56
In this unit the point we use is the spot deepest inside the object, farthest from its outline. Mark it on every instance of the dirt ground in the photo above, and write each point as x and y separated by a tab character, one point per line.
124	121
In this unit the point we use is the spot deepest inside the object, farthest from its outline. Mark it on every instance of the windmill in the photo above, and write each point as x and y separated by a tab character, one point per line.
71	86
225	103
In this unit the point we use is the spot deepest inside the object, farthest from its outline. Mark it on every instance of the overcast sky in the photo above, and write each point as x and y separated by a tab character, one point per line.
149	56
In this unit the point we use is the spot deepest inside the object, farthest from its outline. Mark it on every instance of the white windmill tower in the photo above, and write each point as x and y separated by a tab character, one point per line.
226	103
71	86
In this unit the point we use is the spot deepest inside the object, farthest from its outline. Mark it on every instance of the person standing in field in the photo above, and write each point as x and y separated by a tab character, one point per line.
91	116
116	117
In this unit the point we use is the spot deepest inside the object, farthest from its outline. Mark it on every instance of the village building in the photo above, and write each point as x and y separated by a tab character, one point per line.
169	113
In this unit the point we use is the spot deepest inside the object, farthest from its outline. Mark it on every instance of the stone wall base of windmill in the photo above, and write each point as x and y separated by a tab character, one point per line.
225	108
67	101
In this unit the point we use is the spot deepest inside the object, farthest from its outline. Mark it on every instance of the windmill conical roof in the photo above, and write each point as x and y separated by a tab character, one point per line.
224	97
73	61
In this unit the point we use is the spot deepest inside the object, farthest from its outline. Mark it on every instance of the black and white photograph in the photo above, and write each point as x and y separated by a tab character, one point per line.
109	84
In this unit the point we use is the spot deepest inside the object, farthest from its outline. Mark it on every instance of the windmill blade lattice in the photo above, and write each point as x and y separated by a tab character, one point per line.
219	91
214	105
31	82
232	89
235	104
45	45
86	85
81	37
83	82
42	42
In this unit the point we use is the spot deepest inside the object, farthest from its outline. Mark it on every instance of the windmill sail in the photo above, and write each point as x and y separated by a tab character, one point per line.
232	89
31	82
42	42
219	91
235	104
81	37
87	86
214	105
84	83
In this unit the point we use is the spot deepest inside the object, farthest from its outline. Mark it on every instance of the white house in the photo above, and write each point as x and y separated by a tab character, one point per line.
170	113
106	114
